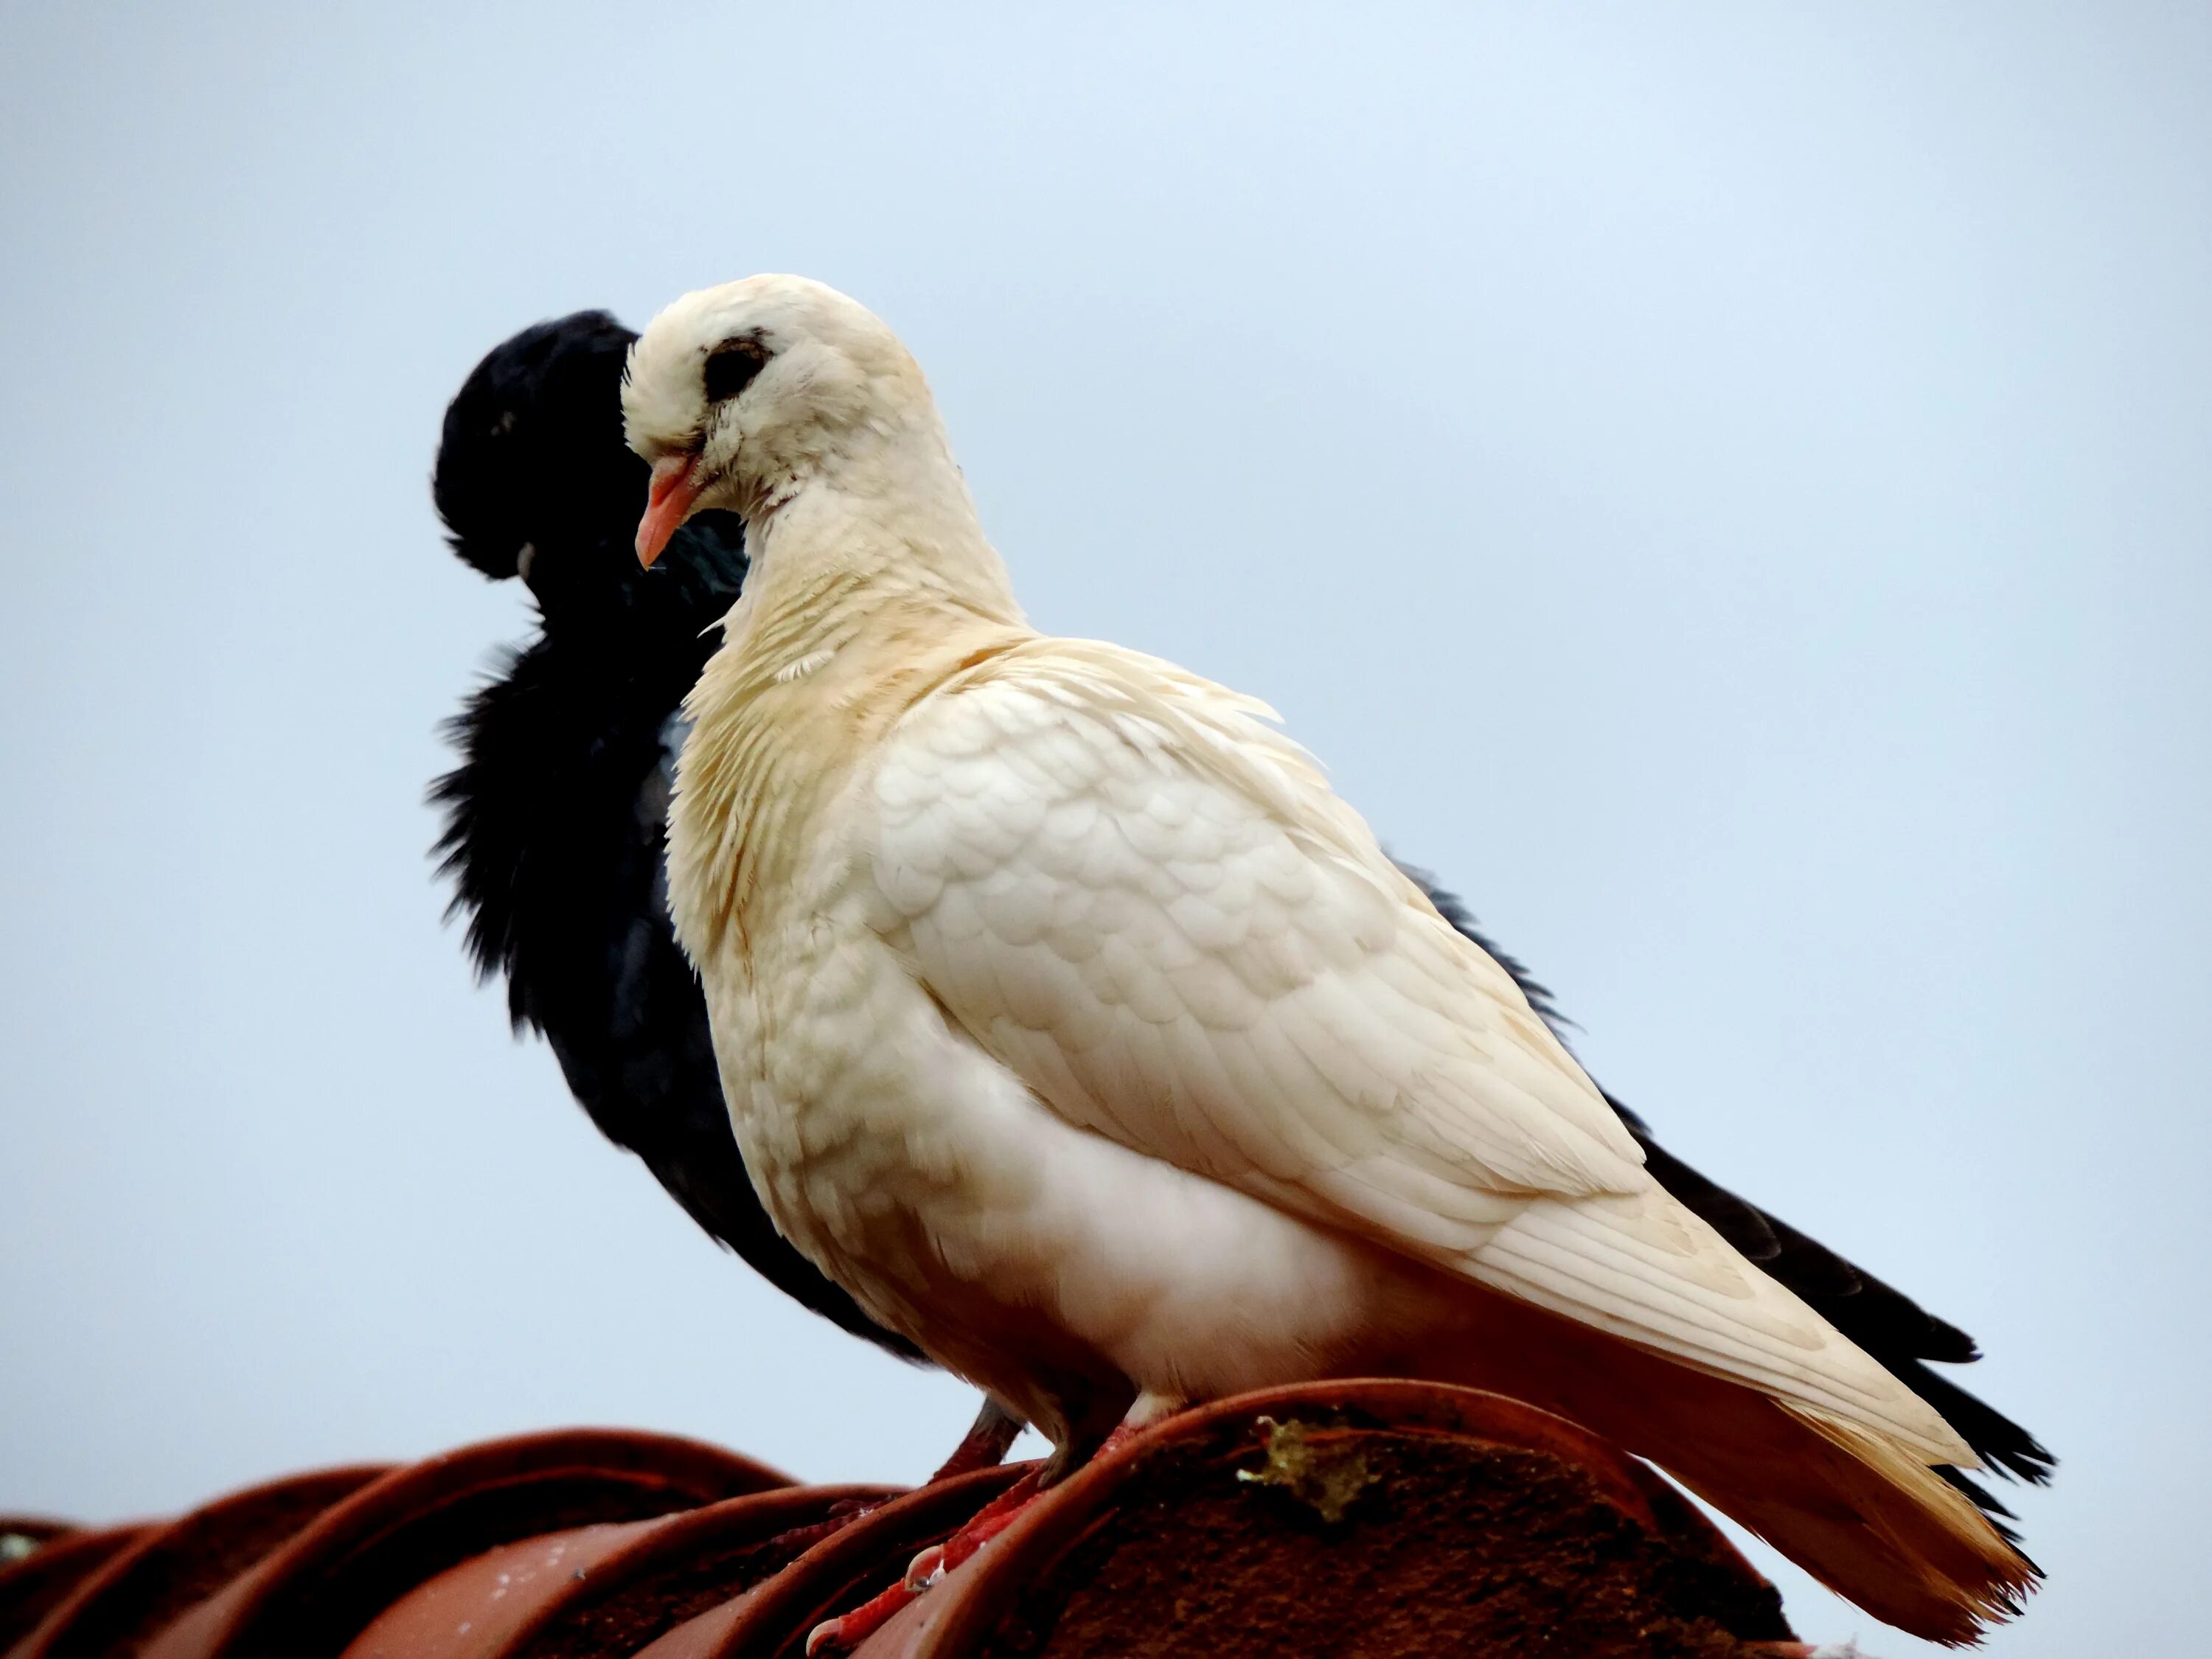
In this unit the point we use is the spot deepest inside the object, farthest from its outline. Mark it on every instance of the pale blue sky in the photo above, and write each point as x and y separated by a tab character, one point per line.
1726	486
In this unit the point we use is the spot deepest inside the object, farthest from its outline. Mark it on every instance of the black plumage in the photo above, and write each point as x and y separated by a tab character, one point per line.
554	819
555	839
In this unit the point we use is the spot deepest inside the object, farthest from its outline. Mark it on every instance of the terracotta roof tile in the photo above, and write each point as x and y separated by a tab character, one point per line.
1403	1519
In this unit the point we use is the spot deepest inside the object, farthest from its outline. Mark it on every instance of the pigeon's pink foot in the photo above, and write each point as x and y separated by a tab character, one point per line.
850	1629
984	1447
994	1518
847	1631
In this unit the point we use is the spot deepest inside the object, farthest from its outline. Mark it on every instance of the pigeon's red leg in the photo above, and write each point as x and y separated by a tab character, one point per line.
850	1629
1000	1513
984	1447
994	1518
986	1444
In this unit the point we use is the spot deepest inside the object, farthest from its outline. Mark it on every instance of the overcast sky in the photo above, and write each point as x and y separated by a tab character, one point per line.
1727	487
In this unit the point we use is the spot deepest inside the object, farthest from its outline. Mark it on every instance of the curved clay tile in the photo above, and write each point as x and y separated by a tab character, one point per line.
113	1611
32	1585
313	1595
608	1588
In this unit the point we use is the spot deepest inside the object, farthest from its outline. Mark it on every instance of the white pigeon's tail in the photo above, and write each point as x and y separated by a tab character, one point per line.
1854	1507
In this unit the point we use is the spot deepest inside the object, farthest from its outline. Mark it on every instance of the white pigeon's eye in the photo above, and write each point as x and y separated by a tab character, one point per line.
731	365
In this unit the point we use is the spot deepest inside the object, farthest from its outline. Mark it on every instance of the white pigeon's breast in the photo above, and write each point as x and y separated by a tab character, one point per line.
922	1175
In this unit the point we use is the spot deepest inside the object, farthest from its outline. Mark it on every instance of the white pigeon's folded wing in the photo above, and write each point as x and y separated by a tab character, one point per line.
1149	904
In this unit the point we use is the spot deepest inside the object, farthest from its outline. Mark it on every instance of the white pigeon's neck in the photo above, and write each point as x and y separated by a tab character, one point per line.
890	526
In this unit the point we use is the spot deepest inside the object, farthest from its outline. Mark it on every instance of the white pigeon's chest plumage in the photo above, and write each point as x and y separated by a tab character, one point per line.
923	1173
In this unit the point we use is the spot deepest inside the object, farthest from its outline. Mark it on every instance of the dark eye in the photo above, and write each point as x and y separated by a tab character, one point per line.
730	366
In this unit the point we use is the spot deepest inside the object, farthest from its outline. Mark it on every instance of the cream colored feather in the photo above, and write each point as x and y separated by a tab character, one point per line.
1071	1020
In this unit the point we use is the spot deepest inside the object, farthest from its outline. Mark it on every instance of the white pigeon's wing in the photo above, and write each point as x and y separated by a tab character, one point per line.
1150	906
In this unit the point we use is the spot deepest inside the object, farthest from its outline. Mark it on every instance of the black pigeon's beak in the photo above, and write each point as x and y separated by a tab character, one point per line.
675	492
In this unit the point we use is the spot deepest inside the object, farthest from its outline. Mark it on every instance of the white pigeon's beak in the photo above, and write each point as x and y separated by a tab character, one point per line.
675	491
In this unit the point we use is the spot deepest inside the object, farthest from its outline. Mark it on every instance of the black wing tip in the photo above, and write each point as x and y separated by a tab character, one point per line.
2007	1449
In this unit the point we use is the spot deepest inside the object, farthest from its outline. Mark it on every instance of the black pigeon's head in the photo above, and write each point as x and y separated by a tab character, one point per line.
533	478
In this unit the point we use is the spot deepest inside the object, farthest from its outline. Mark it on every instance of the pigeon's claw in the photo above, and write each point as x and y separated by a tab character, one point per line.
994	1518
849	1629
924	1568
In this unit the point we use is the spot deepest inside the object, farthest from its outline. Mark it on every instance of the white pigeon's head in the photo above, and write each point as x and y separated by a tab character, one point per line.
737	395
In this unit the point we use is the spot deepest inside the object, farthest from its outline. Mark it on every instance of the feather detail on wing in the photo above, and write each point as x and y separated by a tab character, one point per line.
1149	904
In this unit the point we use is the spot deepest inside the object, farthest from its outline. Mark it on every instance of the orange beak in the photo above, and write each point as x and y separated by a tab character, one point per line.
675	491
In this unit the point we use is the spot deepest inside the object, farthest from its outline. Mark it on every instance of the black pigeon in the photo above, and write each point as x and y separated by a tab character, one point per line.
554	838
554	819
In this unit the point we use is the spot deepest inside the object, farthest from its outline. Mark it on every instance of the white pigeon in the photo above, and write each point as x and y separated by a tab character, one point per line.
1070	1021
